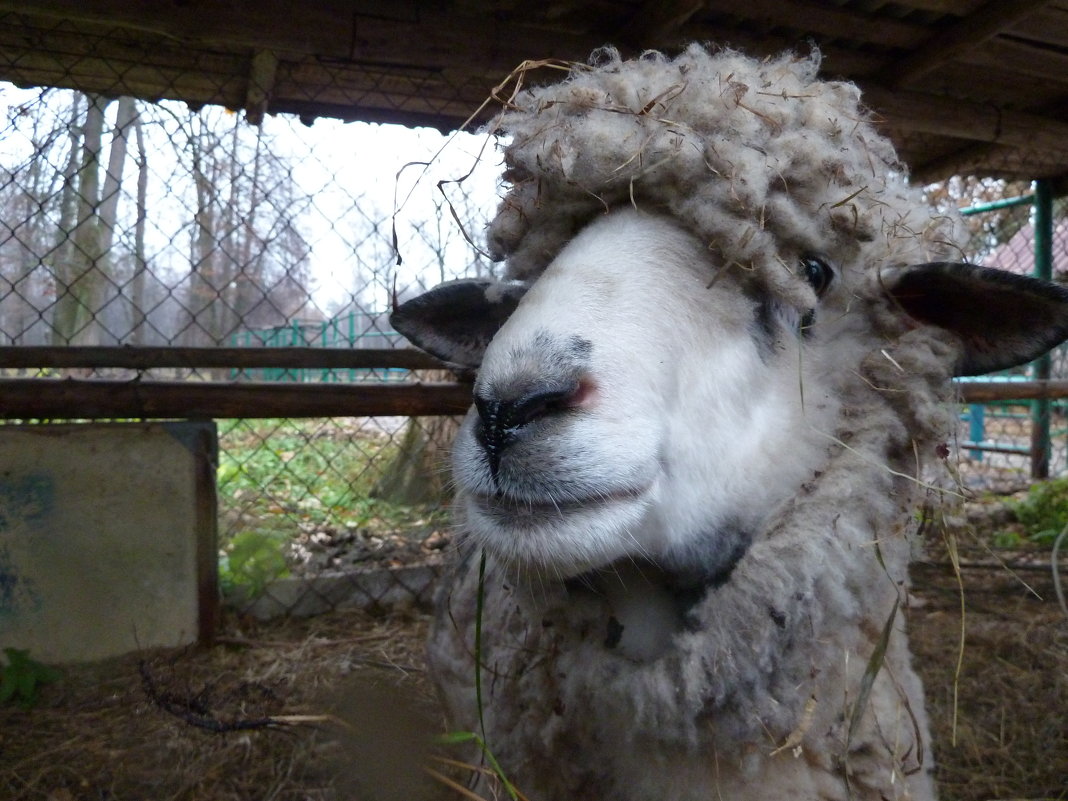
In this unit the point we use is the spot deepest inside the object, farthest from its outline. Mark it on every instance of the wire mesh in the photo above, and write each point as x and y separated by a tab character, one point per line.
126	222
998	440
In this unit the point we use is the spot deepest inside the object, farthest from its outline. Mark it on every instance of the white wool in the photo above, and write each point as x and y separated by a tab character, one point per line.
751	155
763	162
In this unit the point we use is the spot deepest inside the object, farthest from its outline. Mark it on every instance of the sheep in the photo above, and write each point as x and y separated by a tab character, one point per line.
712	393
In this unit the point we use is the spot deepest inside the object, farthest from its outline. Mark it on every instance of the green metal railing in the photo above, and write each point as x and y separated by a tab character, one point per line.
1041	202
340	331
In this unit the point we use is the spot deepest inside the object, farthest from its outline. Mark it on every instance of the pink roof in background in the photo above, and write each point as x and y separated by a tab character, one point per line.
1018	254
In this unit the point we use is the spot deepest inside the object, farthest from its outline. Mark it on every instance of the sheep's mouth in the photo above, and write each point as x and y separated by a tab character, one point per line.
507	507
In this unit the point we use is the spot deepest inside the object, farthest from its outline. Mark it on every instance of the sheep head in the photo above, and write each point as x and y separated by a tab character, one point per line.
642	400
676	370
705	400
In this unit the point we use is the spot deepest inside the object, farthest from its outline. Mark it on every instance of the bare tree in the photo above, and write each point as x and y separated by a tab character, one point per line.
140	260
83	269
249	261
28	197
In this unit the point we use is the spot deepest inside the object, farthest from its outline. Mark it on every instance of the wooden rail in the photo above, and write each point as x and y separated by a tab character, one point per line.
987	392
146	358
36	398
94	400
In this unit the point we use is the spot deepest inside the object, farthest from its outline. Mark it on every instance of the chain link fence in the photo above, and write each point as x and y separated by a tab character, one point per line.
1005	445
126	222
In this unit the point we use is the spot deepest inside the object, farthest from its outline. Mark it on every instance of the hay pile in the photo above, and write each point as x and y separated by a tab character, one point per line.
359	680
1001	729
96	735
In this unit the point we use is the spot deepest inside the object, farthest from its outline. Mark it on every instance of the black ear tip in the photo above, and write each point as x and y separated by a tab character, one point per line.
398	318
1002	319
456	320
398	322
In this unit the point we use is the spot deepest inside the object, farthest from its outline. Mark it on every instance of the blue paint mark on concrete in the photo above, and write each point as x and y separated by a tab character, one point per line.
23	499
27	497
17	593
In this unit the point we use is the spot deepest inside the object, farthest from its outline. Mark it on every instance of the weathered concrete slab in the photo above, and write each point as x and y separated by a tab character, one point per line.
107	537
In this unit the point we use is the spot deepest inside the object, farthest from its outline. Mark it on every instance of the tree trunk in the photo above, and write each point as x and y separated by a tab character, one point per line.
108	213
249	280
137	282
28	231
419	473
63	259
82	274
202	292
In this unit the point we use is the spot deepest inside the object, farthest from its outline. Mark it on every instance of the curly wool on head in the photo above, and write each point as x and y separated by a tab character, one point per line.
752	155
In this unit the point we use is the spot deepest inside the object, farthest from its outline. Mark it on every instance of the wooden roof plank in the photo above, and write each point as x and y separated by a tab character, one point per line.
959	8
994	73
1047	26
837	61
827	21
1043	63
995	161
324	27
966	120
945	45
657	20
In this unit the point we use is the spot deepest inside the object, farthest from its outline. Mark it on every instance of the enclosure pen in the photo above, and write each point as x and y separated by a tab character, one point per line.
208	211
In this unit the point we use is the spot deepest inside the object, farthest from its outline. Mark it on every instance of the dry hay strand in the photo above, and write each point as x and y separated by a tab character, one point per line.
345	693
358	682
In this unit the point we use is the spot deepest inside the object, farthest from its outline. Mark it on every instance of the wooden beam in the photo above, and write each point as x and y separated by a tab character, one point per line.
837	61
34	398
973	159
966	120
989	391
656	21
152	56
322	27
147	358
1022	59
261	78
958	8
819	19
1047	25
996	161
86	400
963	35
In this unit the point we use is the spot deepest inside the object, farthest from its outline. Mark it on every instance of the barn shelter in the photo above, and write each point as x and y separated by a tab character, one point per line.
963	86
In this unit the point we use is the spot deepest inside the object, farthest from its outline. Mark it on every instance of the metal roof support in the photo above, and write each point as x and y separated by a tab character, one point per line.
261	78
1040	409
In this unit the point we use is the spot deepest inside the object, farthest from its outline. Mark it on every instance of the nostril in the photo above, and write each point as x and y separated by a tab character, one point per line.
506	415
539	404
501	419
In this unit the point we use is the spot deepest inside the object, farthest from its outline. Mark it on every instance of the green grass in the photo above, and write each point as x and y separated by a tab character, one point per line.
277	477
1044	510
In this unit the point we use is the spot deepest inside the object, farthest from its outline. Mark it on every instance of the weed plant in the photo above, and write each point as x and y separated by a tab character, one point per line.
279	478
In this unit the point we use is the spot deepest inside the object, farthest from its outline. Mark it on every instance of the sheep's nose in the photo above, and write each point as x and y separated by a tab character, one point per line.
502	419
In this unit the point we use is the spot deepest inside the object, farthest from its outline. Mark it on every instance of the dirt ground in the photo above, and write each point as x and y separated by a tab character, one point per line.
351	706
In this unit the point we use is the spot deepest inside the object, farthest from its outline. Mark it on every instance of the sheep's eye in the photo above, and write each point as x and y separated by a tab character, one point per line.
817	273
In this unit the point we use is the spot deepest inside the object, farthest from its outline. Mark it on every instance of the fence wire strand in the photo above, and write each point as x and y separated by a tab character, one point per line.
127	222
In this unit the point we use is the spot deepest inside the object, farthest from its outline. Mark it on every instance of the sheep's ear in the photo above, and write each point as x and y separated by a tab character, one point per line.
455	321
1002	318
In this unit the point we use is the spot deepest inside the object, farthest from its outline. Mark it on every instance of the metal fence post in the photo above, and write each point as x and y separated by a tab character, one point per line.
1040	409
